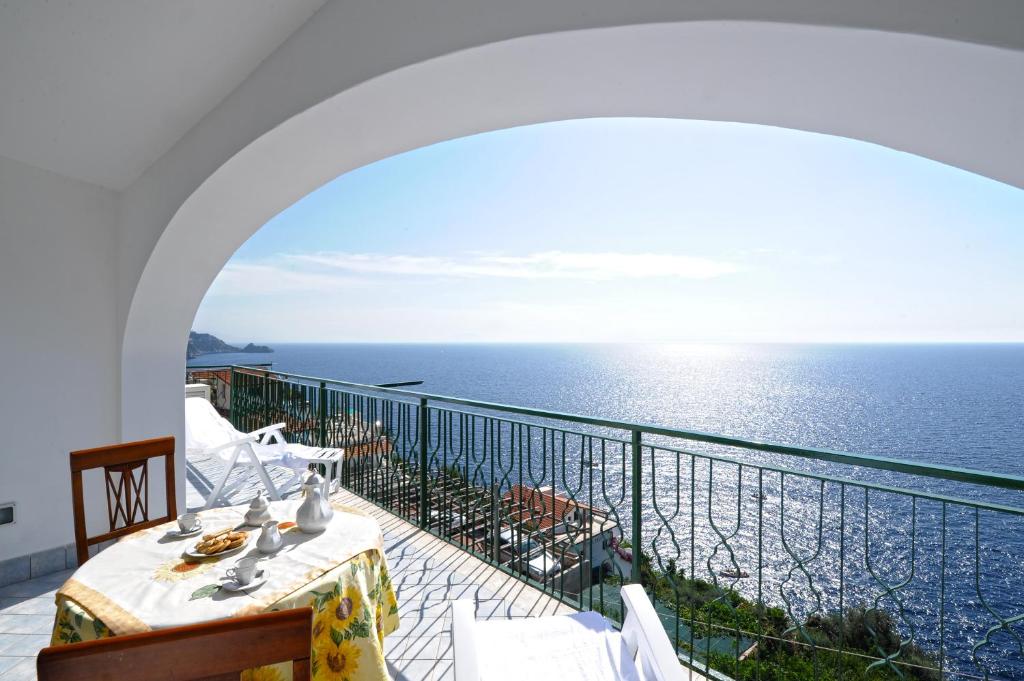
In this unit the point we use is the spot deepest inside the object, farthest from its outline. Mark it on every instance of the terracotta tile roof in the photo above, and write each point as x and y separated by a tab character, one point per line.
541	505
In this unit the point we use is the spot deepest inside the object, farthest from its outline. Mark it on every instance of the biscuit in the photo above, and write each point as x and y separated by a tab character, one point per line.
220	541
218	546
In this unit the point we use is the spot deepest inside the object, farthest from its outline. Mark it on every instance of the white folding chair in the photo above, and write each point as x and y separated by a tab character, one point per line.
567	647
209	433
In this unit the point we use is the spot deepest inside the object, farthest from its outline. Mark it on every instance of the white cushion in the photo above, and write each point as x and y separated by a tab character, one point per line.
578	647
205	428
291	455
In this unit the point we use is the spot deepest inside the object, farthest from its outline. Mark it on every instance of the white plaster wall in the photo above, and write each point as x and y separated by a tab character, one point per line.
59	380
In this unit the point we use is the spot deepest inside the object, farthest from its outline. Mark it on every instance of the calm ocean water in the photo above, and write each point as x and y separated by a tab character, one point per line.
952	405
959	405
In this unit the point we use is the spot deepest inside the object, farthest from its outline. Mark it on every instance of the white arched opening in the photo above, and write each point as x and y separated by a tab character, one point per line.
941	99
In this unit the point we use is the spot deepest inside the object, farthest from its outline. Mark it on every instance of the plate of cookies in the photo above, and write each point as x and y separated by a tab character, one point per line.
219	544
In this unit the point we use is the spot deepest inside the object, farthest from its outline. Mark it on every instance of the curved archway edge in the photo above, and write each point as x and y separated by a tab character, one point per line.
941	99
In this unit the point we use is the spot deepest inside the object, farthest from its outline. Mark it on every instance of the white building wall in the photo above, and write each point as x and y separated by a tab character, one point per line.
59	346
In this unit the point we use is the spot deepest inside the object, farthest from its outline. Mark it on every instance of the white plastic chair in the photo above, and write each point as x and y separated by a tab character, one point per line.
209	433
566	647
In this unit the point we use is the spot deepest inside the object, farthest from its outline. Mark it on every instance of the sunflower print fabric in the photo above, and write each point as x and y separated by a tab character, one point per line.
354	608
177	569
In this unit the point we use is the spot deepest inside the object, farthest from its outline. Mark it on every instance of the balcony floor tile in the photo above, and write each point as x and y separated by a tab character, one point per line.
23	670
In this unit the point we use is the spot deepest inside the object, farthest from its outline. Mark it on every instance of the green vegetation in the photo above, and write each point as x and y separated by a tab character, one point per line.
784	651
791	656
454	472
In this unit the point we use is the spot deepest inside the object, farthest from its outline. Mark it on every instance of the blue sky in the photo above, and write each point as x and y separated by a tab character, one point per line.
636	230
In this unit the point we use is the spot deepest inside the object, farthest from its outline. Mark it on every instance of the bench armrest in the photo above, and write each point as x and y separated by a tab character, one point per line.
464	640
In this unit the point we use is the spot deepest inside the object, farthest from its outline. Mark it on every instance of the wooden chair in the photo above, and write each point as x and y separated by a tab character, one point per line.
211	651
125	470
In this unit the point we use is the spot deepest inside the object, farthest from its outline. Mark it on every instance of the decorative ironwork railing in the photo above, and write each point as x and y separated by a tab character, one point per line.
764	561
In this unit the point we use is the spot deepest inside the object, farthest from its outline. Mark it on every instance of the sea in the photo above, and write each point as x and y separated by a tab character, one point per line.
952	405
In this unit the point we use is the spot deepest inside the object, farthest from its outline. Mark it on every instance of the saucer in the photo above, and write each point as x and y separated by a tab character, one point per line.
232	585
182	535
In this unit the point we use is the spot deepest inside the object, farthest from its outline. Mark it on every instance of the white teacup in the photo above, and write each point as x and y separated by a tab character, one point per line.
187	522
244	571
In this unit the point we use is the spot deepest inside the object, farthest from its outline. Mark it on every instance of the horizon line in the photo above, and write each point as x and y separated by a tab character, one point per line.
625	342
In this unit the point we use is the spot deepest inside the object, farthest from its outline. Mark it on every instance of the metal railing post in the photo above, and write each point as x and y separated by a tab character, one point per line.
322	402
495	524
266	397
424	436
232	386
637	508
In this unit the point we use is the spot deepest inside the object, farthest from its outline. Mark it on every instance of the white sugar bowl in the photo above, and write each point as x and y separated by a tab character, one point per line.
259	511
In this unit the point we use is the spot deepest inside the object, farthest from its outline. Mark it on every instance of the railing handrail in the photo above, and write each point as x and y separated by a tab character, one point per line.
222	367
958	474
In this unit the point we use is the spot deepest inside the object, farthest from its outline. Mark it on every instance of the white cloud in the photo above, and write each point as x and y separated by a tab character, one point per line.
258	279
338	272
542	265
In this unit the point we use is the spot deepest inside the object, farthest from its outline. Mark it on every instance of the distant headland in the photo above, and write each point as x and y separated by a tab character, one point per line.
208	344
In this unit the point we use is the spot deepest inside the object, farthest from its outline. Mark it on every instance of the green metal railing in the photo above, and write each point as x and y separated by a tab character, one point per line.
764	561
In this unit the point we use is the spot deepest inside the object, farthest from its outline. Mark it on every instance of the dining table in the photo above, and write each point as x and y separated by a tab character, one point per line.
148	581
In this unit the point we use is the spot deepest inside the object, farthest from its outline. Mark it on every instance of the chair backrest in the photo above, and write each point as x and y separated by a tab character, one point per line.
205	428
211	651
646	638
126	476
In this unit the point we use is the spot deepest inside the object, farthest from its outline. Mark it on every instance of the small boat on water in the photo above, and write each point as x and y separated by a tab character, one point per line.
733	574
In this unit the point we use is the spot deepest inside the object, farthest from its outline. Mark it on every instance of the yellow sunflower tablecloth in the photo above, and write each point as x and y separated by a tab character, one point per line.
143	583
